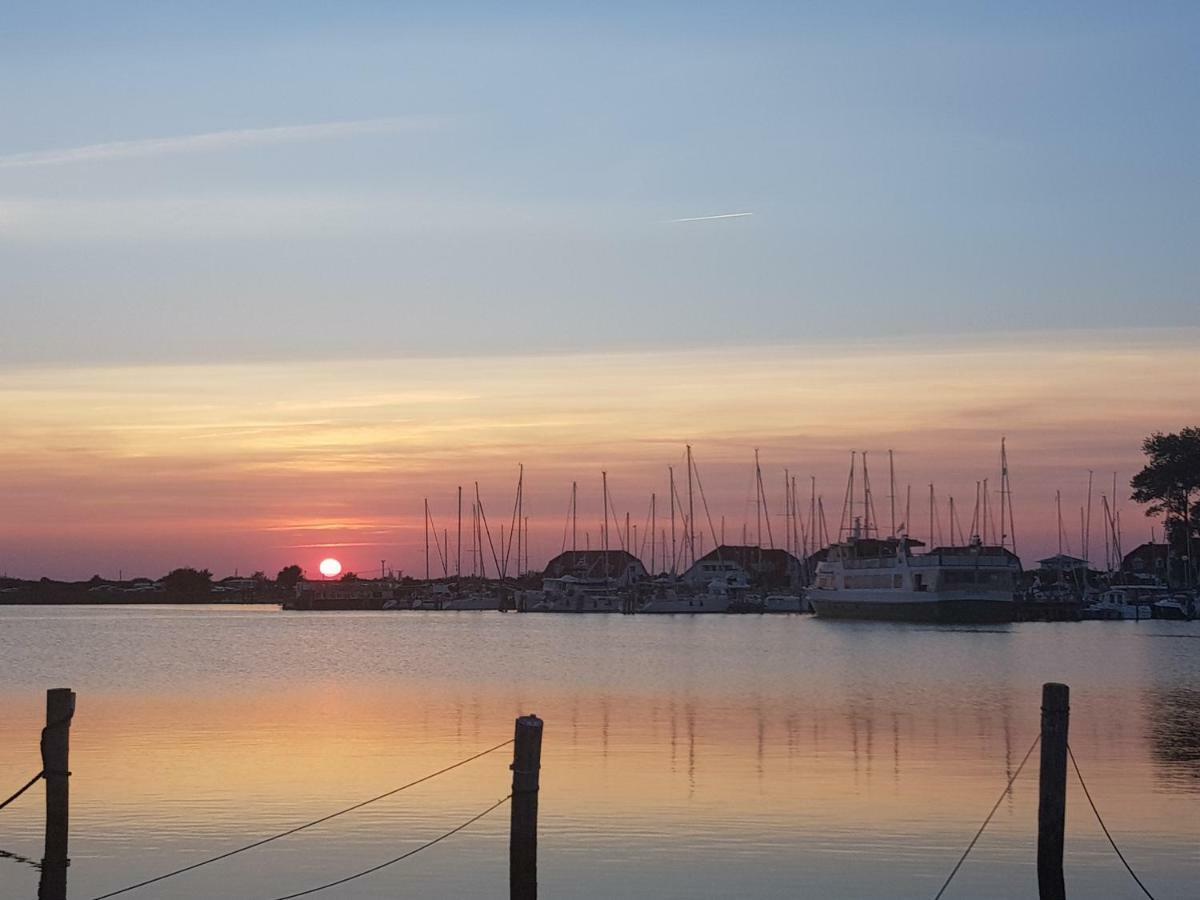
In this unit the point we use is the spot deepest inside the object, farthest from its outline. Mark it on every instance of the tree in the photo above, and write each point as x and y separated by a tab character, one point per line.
188	581
1167	482
350	576
288	577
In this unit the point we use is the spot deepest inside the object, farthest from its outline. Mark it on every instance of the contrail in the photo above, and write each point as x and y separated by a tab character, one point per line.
215	140
707	218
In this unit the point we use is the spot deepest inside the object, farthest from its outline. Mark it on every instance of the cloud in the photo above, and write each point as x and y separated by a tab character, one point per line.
737	215
217	141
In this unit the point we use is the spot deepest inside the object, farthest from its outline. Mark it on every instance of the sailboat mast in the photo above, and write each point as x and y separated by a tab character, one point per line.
1087	524
892	488
653	530
674	551
427	539
691	520
458	552
758	501
866	497
604	530
1058	505
520	515
931	537
574	525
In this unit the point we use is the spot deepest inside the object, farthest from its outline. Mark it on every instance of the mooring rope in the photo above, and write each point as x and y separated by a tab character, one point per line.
65	720
1103	827
32	781
999	800
292	831
413	852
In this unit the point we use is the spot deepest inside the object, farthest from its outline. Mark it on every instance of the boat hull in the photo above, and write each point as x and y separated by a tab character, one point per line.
947	611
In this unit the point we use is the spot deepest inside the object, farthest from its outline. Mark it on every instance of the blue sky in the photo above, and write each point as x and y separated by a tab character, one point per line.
459	178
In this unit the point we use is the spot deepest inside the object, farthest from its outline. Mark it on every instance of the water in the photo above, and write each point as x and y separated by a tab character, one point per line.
707	757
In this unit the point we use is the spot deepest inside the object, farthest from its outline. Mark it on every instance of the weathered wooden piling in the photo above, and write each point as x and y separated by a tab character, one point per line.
522	841
1052	795
56	745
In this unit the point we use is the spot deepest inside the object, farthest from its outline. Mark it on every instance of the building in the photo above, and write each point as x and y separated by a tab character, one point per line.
619	565
1062	564
1149	560
762	568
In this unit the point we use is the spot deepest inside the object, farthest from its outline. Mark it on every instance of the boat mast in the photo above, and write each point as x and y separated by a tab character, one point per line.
1003	491
604	530
653	529
931	540
758	502
1087	525
866	498
458	554
427	540
574	525
691	519
674	551
846	525
520	514
892	489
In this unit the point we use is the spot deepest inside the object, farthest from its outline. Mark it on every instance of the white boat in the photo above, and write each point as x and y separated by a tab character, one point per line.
873	578
785	603
574	595
473	600
1118	604
717	598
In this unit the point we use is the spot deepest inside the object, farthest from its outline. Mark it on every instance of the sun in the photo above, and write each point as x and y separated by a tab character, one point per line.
330	567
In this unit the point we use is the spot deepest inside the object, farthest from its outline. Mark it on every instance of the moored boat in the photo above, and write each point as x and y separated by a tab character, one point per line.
874	578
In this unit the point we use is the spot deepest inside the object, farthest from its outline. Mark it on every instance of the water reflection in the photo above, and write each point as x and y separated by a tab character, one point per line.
1175	732
850	762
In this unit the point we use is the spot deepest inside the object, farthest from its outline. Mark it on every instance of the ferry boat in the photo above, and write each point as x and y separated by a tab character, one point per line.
882	578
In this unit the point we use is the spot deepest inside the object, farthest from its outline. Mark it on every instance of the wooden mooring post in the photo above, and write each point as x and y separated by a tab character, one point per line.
1052	791
522	838
56	746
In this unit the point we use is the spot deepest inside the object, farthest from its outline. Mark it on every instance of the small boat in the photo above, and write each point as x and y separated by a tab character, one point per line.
1116	605
785	603
1180	607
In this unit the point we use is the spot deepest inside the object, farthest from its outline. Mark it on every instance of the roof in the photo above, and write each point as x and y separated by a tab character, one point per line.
1062	560
591	562
751	558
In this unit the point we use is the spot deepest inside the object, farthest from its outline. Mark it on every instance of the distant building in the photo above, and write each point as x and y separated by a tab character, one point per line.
621	566
1149	560
1062	564
762	568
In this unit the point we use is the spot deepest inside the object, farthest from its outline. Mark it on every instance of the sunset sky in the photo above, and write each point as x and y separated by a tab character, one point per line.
270	275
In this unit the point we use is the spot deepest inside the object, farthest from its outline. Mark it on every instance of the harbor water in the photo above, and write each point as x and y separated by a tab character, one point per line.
684	757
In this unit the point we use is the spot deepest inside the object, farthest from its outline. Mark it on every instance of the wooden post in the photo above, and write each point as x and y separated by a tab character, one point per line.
60	707
1052	796
522	840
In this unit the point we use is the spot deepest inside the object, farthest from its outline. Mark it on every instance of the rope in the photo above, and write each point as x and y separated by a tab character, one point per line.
65	720
999	800
412	852
292	831
1104	827
32	781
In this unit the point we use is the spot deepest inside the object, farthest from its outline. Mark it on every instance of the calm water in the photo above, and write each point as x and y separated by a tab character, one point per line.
710	757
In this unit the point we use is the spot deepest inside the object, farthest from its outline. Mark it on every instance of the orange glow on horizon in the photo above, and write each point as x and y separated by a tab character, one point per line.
150	467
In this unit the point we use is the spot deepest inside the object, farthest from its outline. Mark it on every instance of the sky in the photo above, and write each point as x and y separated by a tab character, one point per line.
270	275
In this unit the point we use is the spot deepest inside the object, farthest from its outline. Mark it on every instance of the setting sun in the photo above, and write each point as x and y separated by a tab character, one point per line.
330	567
